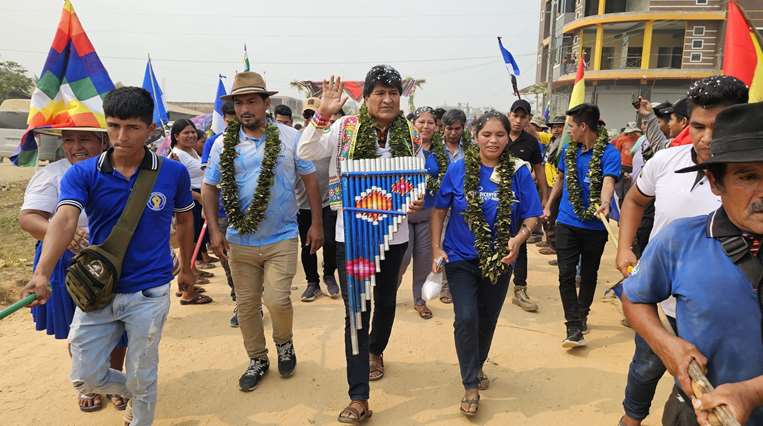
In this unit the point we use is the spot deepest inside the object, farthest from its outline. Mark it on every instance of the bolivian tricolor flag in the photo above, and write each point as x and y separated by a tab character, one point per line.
71	87
742	54
578	90
577	97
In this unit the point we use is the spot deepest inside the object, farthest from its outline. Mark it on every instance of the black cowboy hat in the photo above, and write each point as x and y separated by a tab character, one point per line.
737	138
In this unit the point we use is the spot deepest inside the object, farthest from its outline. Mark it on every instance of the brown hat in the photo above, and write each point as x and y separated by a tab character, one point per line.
245	83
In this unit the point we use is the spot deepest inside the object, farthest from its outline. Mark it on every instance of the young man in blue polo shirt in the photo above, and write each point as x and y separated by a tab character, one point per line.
101	186
706	262
261	240
580	235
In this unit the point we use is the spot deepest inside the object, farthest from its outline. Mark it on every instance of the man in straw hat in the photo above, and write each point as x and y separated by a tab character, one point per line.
718	307
669	196
382	131
255	166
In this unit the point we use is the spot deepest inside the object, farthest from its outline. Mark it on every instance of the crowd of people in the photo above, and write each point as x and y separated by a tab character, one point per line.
687	178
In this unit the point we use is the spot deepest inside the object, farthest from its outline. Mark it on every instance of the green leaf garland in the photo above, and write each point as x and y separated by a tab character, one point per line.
367	140
438	150
247	222
491	250
595	177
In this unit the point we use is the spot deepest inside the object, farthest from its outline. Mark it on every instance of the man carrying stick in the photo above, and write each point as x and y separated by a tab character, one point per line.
718	307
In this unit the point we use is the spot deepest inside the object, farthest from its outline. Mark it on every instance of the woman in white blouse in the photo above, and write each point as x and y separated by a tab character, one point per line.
40	201
183	138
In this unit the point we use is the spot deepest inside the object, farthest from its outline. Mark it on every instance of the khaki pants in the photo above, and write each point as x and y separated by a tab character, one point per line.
263	275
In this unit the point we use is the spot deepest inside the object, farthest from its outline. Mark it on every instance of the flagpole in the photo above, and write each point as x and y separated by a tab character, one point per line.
156	92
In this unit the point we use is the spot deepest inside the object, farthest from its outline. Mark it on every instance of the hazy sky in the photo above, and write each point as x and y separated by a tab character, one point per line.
449	43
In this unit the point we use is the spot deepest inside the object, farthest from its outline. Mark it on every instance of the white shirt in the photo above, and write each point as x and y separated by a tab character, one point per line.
192	162
43	190
677	195
316	144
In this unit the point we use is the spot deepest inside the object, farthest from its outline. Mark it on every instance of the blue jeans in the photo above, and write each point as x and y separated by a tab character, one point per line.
94	334
644	373
477	304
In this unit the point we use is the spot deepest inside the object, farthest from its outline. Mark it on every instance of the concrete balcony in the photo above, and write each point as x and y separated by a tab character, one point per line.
614	18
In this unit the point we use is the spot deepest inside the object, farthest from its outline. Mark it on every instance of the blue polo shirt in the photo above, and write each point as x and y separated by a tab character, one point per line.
610	166
95	186
716	306
280	221
459	240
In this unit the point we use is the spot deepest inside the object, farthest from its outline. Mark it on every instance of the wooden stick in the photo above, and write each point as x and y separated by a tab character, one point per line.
721	415
610	231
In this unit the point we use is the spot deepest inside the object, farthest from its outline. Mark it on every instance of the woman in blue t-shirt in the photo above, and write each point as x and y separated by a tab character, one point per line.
494	206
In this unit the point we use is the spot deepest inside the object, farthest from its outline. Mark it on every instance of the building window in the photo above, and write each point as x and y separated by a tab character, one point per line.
699	31
696	57
634	57
607	57
697	44
677	58
702	2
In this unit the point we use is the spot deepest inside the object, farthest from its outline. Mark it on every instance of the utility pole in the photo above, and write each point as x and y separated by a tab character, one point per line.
551	56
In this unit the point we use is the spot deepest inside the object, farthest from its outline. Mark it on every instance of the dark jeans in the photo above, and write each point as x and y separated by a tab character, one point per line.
477	304
645	372
549	226
310	261
520	267
385	298
573	244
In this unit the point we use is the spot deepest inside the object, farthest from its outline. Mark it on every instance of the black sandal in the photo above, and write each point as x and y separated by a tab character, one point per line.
352	415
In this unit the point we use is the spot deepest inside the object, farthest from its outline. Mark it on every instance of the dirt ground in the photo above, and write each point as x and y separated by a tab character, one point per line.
533	380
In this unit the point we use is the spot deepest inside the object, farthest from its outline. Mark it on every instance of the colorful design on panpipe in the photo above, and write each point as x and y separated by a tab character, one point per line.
373	198
376	195
402	186
360	269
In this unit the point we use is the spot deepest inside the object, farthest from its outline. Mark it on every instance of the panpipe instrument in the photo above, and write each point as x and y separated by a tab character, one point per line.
376	196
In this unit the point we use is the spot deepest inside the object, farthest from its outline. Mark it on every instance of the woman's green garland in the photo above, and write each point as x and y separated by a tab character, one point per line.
247	223
366	142
491	250
438	150
466	139
595	177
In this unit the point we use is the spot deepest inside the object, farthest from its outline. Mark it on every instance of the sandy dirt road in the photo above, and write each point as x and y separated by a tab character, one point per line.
534	381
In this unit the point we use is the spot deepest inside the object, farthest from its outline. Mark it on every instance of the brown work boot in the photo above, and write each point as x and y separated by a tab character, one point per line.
522	300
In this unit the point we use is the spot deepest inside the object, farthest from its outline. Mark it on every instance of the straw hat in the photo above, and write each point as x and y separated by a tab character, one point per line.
246	83
57	131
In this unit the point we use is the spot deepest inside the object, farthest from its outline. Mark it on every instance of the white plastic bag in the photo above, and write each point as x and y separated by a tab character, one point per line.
432	286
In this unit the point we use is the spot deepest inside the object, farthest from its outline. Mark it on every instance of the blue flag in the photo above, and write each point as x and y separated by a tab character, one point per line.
218	121
508	59
151	85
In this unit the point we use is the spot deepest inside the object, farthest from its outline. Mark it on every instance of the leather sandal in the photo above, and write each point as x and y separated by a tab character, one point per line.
376	367
472	406
352	415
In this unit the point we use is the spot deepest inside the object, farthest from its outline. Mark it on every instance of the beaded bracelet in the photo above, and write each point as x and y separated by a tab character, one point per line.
321	122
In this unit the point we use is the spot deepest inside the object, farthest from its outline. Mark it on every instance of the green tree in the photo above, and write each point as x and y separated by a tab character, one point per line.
14	83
